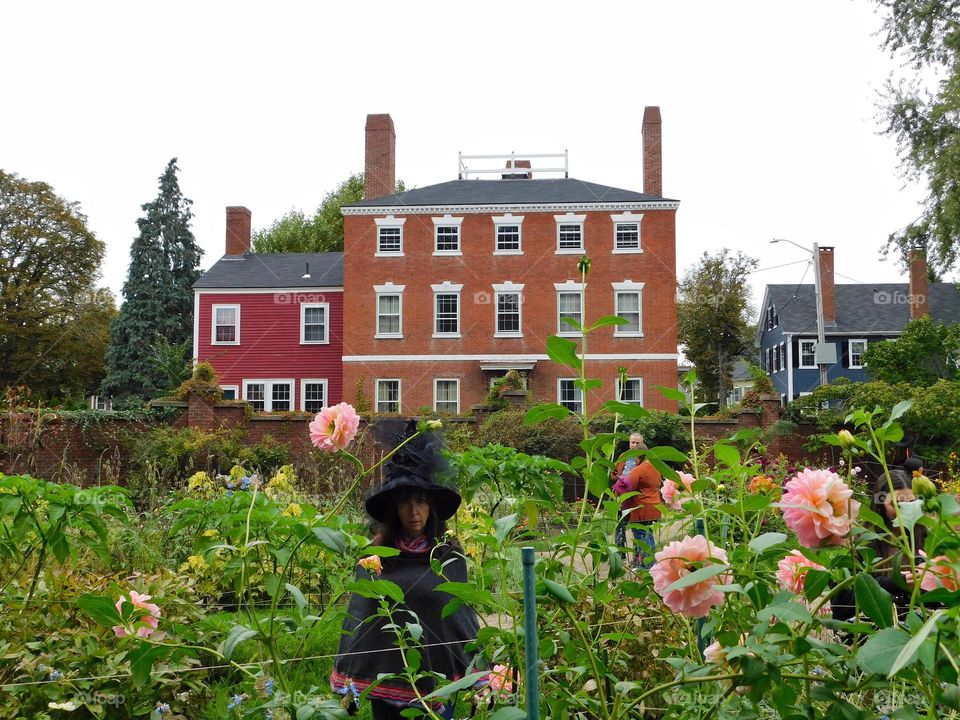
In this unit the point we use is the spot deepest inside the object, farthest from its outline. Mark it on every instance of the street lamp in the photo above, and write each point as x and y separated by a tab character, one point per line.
818	291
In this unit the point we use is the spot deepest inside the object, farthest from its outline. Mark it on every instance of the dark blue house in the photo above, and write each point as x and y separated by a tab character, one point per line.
855	315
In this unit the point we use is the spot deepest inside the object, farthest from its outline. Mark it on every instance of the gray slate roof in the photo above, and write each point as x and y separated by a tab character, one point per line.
861	308
280	270
509	192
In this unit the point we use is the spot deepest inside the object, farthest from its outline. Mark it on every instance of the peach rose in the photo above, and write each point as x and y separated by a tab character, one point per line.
824	511
679	559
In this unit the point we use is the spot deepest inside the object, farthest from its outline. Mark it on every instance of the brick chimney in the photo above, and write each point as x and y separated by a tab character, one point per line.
513	164
828	286
652	156
919	289
380	166
238	231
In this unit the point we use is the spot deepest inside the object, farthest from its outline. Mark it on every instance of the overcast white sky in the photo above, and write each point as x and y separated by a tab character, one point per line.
770	119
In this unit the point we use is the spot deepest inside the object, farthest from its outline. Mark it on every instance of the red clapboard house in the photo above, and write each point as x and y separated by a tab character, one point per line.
271	324
451	285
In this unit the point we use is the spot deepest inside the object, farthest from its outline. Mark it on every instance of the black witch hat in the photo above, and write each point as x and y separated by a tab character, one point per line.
418	464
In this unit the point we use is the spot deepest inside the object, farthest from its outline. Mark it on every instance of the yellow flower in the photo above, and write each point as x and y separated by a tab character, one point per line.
197	563
371	563
293	510
212	532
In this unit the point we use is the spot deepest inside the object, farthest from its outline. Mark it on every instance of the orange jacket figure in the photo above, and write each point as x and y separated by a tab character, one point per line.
644	480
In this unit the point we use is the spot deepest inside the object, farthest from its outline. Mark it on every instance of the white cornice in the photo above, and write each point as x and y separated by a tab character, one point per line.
267	291
501	209
503	358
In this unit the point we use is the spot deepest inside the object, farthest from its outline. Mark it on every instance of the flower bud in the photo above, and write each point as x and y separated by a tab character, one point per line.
847	440
434	425
923	487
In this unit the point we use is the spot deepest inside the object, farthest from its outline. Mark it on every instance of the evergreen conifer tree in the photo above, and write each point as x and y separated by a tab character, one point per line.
158	294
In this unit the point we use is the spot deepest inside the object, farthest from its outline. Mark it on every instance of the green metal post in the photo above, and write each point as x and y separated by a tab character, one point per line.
531	642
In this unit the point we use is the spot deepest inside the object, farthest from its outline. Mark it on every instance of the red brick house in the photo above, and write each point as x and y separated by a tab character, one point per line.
271	325
450	285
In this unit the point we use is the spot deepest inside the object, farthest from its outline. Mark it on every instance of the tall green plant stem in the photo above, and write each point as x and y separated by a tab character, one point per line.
584	425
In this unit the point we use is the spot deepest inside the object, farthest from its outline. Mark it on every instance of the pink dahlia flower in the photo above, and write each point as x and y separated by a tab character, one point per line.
825	510
680	558
793	571
672	495
149	615
935	573
501	681
334	427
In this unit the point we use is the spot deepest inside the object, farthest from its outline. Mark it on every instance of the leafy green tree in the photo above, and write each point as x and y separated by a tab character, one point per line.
925	123
713	318
323	232
925	353
158	295
53	320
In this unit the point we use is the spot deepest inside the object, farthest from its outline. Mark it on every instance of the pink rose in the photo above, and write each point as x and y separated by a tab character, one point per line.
825	511
793	571
680	558
149	617
501	682
672	495
935	573
714	653
334	427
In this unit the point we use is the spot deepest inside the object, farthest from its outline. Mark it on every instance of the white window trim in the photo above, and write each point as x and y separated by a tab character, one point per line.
326	323
628	217
850	352
800	364
616	384
438	380
628	286
782	354
389	221
507	288
235	388
107	403
569	286
376	393
213	323
387	289
576	390
448	221
508	219
447	288
268	384
313	381
570	219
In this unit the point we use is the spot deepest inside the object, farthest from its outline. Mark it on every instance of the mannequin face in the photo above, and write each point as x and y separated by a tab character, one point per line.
414	511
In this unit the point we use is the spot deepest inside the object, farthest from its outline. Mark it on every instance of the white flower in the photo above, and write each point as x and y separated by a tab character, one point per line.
69	706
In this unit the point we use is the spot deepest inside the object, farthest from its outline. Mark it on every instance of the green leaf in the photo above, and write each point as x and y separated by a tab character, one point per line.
509	712
787	612
376	589
298	597
588	384
503	526
237	635
665	453
415	630
468	592
766	541
874	601
102	610
381	551
141	662
628	410
672	393
462	684
332	539
608	320
545	411
697	576
563	351
560	592
815	582
727	455
899	409
305	712
909	652
880	650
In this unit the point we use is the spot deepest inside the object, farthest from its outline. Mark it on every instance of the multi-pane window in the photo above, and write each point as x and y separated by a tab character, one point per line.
101	402
508	238
389	235
628	308
627	236
226	324
631	391
856	349
388	396
508	313
448	313
783	356
313	395
313	322
569	305
229	392
570	237
388	314
448	239
569	395
807	358
446	396
269	395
